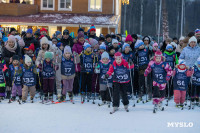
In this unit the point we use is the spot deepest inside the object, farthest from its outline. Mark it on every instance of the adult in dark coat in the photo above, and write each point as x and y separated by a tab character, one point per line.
67	40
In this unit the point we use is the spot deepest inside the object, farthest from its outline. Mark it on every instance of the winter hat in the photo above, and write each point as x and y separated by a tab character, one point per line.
124	46
44	40
158	53
198	61
113	35
80	29
155	45
37	32
181	38
118	54
146	38
0	35
43	29
173	44
105	55
17	37
102	46
59	44
86	45
92	28
192	39
114	41
68	49
197	31
181	61
134	36
139	43
27	59
93	42
169	46
12	38
101	38
80	35
129	38
57	33
48	54
66	32
29	31
15	57
108	35
12	29
32	47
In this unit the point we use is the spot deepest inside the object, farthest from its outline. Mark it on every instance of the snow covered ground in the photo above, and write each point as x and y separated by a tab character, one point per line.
90	118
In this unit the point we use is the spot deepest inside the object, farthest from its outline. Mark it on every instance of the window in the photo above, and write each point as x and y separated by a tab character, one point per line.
47	4
65	5
95	5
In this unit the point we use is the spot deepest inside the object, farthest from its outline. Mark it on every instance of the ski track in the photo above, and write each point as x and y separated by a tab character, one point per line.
90	118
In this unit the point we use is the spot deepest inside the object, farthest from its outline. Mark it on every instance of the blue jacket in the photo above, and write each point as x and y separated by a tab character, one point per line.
190	55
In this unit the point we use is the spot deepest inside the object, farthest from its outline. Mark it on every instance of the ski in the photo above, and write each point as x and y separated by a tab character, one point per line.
19	101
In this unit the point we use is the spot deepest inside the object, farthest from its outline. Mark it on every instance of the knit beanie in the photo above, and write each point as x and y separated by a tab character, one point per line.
32	47
43	29
139	43
80	29
197	31
58	33
66	32
86	45
169	46
29	31
124	46
48	54
192	39
118	54
80	35
44	40
129	38
27	59
158	53
15	57
102	46
68	49
92	28
108	35
181	38
93	42
181	61
155	45
114	41
59	44
12	38
12	29
105	55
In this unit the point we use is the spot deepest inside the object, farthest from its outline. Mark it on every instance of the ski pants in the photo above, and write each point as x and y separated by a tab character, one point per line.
58	81
86	82
76	83
95	83
27	89
48	86
179	96
105	92
158	92
16	90
67	86
2	91
119	89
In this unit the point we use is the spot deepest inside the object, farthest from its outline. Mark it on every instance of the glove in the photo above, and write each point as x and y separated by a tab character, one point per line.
168	78
38	70
40	66
145	74
56	67
106	76
16	68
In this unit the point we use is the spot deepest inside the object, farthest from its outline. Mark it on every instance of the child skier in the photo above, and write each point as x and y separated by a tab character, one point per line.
104	90
48	75
68	73
86	59
195	90
142	55
161	73
172	59
121	77
180	82
16	76
29	72
3	72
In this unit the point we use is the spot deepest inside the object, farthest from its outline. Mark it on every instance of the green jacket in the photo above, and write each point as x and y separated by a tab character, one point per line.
172	53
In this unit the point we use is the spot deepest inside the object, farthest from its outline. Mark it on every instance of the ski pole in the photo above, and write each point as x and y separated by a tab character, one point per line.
109	92
168	93
146	88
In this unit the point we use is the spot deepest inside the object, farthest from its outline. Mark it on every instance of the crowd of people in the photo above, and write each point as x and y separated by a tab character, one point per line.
112	66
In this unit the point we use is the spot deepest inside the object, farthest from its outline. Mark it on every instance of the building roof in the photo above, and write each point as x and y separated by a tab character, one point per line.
62	19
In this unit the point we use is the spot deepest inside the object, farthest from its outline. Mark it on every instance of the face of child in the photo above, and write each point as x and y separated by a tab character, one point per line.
129	42
158	59
15	62
192	44
155	47
108	39
48	60
67	54
170	49
146	42
59	36
54	41
102	50
29	64
105	60
89	49
26	51
127	49
115	45
30	51
65	36
28	35
112	51
45	46
43	33
92	32
118	60
81	39
182	66
11	44
61	48
141	47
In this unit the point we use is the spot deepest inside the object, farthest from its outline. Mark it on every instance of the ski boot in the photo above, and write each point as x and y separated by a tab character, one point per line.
108	104
13	98
88	96
82	97
8	94
126	108
114	110
32	100
139	100
71	97
155	108
160	106
103	103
